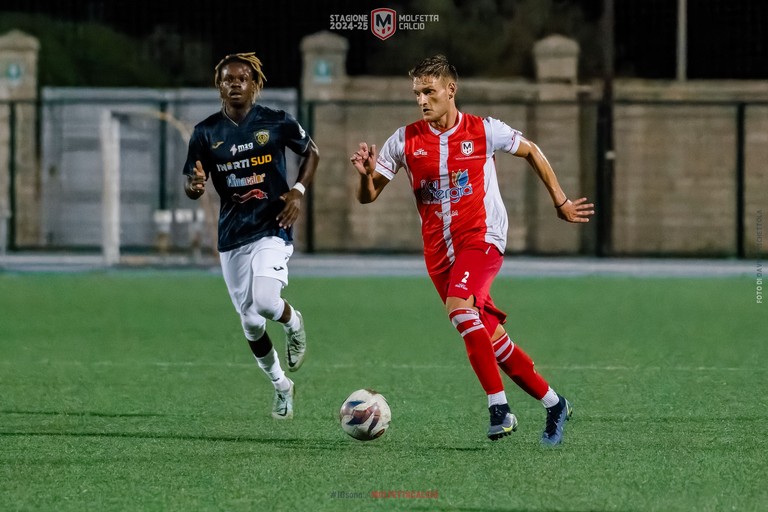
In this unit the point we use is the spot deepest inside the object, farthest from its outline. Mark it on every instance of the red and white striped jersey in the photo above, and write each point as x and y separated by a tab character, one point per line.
453	177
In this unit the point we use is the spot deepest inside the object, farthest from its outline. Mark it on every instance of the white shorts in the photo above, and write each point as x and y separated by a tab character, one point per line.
266	257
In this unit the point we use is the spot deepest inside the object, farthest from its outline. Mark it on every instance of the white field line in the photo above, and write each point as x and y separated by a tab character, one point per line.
392	366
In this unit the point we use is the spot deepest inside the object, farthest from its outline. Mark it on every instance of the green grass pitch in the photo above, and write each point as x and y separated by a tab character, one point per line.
136	391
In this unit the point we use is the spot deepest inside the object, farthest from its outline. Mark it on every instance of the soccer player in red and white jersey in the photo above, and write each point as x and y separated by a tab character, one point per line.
449	158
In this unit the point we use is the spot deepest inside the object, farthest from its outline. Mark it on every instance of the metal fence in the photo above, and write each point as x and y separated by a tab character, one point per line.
685	178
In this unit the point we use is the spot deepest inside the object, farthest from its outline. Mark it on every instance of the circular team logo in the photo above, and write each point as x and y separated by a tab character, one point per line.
261	136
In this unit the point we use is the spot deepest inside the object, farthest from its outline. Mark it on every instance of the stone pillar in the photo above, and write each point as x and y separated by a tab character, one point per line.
324	76
557	59
18	90
324	79
556	129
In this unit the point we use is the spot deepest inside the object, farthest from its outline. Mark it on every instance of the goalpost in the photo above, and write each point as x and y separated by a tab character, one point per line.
109	136
109	140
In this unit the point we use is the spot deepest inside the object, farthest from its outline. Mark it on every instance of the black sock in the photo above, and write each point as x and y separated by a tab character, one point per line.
262	346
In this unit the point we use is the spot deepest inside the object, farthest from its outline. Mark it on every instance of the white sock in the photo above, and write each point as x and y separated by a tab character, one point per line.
293	324
550	399
499	398
270	364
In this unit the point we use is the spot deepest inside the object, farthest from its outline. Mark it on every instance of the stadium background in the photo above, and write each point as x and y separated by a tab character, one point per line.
683	175
129	387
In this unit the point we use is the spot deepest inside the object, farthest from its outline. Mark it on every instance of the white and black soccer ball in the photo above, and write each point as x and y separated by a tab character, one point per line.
365	415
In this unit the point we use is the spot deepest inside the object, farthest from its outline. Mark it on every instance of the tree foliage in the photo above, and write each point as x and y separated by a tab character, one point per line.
86	54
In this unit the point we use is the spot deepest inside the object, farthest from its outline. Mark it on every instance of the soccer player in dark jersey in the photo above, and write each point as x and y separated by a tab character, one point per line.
242	150
449	158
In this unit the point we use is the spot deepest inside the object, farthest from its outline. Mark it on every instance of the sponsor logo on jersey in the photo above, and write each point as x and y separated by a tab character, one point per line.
244	163
431	193
383	23
467	147
217	144
261	136
254	179
445	215
256	193
238	148
420	152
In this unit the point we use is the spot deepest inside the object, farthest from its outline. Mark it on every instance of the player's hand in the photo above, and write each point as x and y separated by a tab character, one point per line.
364	159
576	211
291	210
197	180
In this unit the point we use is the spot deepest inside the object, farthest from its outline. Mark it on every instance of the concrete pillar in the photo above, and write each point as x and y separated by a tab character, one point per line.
18	87
555	123
18	83
324	75
557	59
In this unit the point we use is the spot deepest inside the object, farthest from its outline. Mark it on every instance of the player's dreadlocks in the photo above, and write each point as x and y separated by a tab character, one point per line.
436	66
249	58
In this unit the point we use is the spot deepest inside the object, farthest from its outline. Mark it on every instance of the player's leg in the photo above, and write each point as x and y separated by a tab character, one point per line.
520	368
470	277
270	276
236	269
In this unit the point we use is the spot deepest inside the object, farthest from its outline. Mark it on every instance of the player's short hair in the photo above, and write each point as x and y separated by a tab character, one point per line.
436	66
249	58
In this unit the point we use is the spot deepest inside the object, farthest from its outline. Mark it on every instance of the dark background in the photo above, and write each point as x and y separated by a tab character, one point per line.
727	38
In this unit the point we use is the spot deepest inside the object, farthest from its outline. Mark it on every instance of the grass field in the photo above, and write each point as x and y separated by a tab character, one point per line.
135	391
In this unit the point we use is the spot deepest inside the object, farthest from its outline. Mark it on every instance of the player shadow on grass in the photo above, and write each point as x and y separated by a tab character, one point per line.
276	441
286	442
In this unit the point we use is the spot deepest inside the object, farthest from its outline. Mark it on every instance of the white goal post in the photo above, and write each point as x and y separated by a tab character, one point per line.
109	140
109	136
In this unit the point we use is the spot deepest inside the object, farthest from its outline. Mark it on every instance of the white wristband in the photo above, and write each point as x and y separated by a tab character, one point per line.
300	187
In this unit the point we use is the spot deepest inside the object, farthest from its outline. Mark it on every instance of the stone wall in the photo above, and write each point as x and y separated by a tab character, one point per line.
675	168
675	143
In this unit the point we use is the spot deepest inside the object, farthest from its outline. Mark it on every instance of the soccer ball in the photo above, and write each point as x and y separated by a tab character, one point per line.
365	415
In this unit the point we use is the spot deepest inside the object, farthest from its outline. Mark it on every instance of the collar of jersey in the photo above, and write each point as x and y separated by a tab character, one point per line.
449	131
224	113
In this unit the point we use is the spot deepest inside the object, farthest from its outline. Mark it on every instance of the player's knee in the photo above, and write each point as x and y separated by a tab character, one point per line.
454	303
268	305
254	326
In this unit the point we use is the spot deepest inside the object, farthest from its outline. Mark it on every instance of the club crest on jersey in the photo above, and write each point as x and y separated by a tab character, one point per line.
467	147
261	136
431	193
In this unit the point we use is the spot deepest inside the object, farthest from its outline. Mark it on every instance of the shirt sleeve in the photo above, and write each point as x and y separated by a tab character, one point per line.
503	137
392	155
197	151
296	138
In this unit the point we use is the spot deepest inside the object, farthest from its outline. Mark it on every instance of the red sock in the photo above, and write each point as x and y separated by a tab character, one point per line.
479	349
516	363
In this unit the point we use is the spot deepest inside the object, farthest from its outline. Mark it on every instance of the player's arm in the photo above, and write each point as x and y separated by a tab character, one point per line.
371	182
195	185
292	198
571	211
